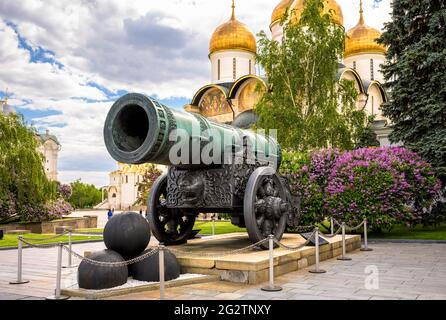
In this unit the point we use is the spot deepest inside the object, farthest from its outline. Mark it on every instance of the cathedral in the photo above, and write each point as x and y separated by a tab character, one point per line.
233	92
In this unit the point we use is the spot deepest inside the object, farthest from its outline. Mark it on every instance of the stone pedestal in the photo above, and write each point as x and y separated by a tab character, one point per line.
251	267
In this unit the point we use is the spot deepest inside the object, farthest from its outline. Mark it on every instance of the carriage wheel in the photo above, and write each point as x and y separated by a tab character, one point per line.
265	206
169	226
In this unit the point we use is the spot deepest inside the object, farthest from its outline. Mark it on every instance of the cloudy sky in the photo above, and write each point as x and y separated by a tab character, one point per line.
66	61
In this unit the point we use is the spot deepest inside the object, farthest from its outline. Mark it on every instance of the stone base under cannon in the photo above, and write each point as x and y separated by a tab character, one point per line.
251	267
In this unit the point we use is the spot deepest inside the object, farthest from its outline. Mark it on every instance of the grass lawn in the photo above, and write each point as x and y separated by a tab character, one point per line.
418	232
11	240
221	227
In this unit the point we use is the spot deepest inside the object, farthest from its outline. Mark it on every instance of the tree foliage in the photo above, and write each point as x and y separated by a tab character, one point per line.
149	176
24	187
84	195
307	104
415	71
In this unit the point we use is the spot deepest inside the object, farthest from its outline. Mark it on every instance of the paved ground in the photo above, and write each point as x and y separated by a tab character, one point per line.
405	271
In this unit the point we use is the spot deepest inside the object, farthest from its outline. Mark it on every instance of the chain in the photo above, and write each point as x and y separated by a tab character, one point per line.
112	264
357	227
335	222
50	238
295	248
215	255
304	228
334	234
41	246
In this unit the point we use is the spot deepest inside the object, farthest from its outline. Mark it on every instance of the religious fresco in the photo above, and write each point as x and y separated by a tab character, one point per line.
214	103
250	95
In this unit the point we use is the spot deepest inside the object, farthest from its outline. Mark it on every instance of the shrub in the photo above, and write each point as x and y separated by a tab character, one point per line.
307	174
385	185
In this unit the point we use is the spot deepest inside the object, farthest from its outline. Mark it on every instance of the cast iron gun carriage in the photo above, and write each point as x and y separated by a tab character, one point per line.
241	180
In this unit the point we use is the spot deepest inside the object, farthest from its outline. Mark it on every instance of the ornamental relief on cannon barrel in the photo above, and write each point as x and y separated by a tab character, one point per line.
199	188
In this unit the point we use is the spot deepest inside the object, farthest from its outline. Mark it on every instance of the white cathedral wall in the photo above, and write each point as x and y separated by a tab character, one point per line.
129	190
374	103
277	31
363	64
242	66
50	151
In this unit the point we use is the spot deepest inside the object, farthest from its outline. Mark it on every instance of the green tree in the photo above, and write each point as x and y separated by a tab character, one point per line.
24	187
415	72
149	176
307	104
84	195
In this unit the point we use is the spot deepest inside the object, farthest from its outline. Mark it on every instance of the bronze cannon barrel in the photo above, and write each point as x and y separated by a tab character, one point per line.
138	129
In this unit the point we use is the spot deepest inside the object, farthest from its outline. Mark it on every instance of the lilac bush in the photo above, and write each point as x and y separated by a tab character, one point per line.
385	185
308	174
64	191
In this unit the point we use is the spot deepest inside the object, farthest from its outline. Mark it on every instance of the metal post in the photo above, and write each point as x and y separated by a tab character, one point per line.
70	242
19	263
316	243
57	295
366	245
332	225
161	270
344	249
213	226
271	287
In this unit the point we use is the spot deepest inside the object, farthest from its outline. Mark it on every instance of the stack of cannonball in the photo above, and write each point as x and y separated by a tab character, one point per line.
126	236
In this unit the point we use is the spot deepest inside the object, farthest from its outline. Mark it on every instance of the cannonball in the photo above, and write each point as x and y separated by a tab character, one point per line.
91	276
128	234
148	269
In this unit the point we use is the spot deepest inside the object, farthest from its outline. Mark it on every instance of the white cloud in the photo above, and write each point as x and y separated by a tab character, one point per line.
156	47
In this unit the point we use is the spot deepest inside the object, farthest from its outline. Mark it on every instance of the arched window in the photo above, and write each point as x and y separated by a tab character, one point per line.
250	68
114	195
372	76
354	65
219	69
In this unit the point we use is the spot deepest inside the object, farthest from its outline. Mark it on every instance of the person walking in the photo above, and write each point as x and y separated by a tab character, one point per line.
109	214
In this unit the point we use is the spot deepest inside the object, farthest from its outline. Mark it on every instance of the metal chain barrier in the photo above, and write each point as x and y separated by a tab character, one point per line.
216	255
40	246
304	228
355	228
281	245
46	239
112	264
334	234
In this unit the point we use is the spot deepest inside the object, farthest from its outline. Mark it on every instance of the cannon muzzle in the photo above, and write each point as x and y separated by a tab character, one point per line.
139	129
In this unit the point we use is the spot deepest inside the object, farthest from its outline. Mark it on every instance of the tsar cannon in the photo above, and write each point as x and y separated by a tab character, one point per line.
212	168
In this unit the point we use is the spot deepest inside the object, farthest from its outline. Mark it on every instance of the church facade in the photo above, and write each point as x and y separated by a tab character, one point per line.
235	86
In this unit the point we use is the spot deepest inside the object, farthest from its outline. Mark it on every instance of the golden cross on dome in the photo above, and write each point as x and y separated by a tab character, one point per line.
361	16
233	10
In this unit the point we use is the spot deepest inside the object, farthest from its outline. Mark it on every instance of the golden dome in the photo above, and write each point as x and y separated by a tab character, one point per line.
279	10
361	39
232	35
330	7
